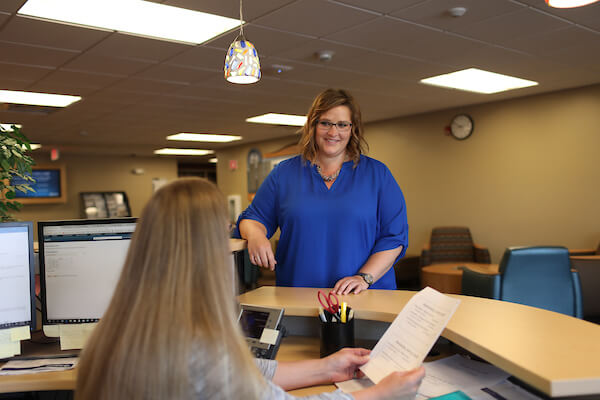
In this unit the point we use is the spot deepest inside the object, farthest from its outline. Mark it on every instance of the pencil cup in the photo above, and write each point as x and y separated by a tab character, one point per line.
335	336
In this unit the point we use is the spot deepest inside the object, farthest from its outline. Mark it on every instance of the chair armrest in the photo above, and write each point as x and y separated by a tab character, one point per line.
480	285
578	296
482	254
582	252
425	258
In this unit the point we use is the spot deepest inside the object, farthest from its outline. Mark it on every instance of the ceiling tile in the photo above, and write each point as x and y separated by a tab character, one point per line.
23	72
554	41
435	13
266	41
522	23
148	86
34	55
230	8
314	18
11	6
78	78
175	74
200	57
3	18
588	16
382	6
99	63
135	47
51	34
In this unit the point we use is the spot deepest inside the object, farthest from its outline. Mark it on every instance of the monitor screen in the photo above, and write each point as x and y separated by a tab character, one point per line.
17	280
253	322
80	265
47	184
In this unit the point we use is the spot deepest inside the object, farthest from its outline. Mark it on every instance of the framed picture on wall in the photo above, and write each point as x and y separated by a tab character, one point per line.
105	205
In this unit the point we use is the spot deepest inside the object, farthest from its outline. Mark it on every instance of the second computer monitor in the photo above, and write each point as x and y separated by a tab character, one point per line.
17	281
80	265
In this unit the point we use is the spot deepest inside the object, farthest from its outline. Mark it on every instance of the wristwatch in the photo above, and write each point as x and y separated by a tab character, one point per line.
367	277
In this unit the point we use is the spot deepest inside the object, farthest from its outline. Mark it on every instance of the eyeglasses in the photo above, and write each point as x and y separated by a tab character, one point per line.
342	126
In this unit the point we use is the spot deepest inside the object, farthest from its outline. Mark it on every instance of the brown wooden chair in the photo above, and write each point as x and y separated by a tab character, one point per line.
585	252
451	244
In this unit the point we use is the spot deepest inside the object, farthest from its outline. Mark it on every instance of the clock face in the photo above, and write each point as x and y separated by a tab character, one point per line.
461	126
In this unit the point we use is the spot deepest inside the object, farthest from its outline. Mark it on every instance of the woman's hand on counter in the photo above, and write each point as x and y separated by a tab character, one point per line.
350	284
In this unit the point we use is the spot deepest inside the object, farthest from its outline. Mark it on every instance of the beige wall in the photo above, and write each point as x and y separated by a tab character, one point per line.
94	173
529	174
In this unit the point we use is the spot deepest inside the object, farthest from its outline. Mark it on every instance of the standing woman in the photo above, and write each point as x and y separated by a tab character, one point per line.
341	214
171	329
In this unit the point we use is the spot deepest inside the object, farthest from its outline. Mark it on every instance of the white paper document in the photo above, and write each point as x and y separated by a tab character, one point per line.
454	373
408	340
405	344
20	367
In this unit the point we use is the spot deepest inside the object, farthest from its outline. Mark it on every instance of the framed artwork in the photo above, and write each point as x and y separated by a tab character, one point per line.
105	205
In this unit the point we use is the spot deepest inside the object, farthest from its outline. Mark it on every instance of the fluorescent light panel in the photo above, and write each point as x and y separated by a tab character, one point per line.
137	17
279	119
183	152
35	146
203	137
569	3
37	99
213	160
479	81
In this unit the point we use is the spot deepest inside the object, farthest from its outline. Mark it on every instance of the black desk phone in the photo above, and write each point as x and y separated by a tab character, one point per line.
262	328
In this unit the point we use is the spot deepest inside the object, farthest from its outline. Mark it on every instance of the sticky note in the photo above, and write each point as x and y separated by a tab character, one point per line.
52	330
20	333
74	336
10	349
5	336
269	336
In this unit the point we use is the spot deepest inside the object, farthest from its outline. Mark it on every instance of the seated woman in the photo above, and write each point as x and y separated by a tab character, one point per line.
171	329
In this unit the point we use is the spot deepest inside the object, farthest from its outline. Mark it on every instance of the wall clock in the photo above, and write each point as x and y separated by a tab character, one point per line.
462	126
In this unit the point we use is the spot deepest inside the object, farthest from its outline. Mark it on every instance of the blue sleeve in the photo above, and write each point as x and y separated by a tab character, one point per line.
392	223
264	206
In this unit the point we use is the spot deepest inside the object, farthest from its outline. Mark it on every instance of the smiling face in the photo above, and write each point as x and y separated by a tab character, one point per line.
332	142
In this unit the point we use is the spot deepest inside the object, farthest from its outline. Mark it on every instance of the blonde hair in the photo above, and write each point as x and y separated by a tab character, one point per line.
324	102
173	309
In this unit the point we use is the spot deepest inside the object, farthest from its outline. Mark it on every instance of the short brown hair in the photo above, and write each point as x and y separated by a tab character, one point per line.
324	102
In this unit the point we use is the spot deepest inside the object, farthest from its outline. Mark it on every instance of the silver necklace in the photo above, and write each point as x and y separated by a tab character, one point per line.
328	178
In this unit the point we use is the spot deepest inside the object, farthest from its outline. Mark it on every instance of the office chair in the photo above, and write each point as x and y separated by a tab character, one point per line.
453	243
534	276
588	268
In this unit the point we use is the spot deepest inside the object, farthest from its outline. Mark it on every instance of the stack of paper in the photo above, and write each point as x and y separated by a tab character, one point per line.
20	367
10	340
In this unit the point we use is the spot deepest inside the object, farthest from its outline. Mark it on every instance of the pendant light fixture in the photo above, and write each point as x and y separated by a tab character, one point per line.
241	62
569	3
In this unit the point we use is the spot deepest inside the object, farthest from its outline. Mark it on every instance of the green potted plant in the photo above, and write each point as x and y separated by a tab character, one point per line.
14	162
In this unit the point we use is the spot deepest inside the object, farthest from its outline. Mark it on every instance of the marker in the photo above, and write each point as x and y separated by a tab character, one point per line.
351	314
322	314
343	312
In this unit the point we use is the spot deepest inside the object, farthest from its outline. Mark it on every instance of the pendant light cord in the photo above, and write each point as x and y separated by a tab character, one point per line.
241	19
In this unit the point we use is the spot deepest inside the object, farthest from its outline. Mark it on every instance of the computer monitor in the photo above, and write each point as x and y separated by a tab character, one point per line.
17	279
80	265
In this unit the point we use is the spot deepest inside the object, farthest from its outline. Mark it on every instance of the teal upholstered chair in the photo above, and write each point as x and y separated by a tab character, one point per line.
452	244
535	276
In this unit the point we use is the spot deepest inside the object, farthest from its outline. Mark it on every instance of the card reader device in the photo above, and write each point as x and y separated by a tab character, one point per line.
262	328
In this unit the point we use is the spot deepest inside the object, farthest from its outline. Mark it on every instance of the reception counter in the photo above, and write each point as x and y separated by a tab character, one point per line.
556	354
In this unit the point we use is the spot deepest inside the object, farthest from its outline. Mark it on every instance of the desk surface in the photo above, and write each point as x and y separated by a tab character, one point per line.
550	351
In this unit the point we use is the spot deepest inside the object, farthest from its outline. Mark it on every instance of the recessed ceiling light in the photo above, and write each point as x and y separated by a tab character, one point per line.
279	119
8	127
569	3
137	17
479	81
183	152
213	160
203	137
35	146
37	99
